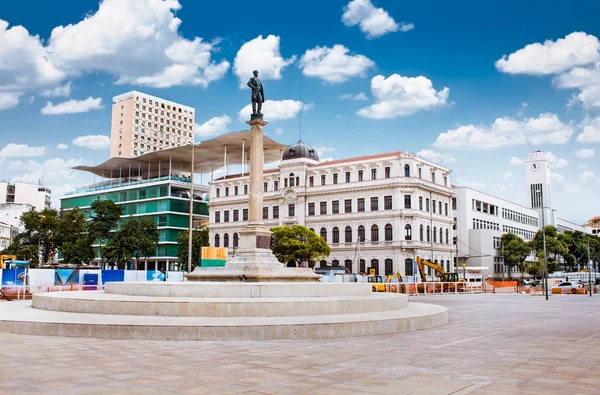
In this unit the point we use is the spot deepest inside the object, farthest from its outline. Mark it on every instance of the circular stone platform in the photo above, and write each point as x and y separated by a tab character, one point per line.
220	311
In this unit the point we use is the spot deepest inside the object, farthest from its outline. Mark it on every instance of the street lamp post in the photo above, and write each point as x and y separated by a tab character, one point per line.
545	274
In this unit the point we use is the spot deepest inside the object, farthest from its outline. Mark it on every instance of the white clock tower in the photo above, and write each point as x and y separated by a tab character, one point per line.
537	174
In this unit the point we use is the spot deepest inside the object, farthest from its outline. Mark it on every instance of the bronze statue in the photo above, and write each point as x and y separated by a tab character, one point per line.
258	94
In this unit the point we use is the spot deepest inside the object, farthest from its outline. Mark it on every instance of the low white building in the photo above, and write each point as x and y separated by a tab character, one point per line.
378	211
38	196
481	219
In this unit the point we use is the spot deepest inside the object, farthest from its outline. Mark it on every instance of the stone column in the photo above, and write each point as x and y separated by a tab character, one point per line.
257	162
254	260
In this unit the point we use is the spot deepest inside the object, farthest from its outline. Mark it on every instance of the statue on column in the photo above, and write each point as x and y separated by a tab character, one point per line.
258	94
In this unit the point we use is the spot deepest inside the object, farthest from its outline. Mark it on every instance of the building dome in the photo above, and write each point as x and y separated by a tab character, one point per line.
300	150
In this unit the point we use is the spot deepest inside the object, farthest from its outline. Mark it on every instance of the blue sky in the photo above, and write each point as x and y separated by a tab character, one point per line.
372	76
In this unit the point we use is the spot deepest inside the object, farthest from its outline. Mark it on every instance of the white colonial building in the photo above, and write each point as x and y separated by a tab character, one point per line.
378	211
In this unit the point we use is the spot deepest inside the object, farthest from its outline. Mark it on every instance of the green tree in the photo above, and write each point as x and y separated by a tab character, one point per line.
106	215
555	247
78	251
20	248
41	231
534	268
296	244
199	240
134	241
515	250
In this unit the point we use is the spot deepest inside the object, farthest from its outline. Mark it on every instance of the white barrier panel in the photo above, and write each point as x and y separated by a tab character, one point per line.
174	276
130	276
141	276
40	279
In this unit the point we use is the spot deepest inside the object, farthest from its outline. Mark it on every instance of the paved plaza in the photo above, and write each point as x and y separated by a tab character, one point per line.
493	344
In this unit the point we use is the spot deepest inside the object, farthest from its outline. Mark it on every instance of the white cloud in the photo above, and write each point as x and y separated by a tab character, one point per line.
262	55
21	150
585	153
522	109
25	65
358	97
589	177
400	96
586	80
334	65
9	100
92	141
278	131
374	22
73	106
62	146
276	109
61	90
557	163
322	150
566	187
545	129
591	131
514	161
137	41
471	184
56	174
213	127
436	157
551	57
507	175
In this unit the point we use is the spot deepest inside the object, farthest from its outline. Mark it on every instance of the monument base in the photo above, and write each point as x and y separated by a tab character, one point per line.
253	262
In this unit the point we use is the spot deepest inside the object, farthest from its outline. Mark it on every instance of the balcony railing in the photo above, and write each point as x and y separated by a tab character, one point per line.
117	183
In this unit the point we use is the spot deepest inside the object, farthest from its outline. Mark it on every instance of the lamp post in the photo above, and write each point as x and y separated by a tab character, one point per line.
589	266
545	274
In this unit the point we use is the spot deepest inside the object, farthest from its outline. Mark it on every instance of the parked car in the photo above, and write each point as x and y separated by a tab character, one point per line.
568	287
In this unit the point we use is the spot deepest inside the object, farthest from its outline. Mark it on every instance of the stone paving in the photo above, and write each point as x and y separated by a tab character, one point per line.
493	344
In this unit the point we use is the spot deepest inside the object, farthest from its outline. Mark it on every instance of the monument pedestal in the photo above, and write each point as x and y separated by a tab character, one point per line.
253	262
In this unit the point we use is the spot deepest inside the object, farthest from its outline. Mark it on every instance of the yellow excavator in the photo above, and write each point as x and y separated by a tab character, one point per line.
395	281
444	276
6	258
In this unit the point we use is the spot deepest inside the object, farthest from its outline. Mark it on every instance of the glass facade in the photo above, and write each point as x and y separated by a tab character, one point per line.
168	209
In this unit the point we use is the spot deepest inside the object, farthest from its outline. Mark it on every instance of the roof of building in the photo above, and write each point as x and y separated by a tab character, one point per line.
230	176
359	158
208	155
300	150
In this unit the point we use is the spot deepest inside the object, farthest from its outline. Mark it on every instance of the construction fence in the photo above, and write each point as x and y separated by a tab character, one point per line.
430	288
21	283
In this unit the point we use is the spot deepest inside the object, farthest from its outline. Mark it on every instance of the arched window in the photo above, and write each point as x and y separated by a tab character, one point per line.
408	267
406	171
421	232
407	232
312	230
434	235
389	267
217	240
361	265
446	235
336	235
441	235
335	262
374	233
375	265
389	232
291	179
236	239
348	234
324	234
428	234
361	233
348	265
323	263
226	240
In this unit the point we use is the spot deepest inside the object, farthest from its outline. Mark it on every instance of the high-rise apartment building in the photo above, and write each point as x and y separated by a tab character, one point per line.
142	123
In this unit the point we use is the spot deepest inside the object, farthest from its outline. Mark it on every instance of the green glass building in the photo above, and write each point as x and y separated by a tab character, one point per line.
165	199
